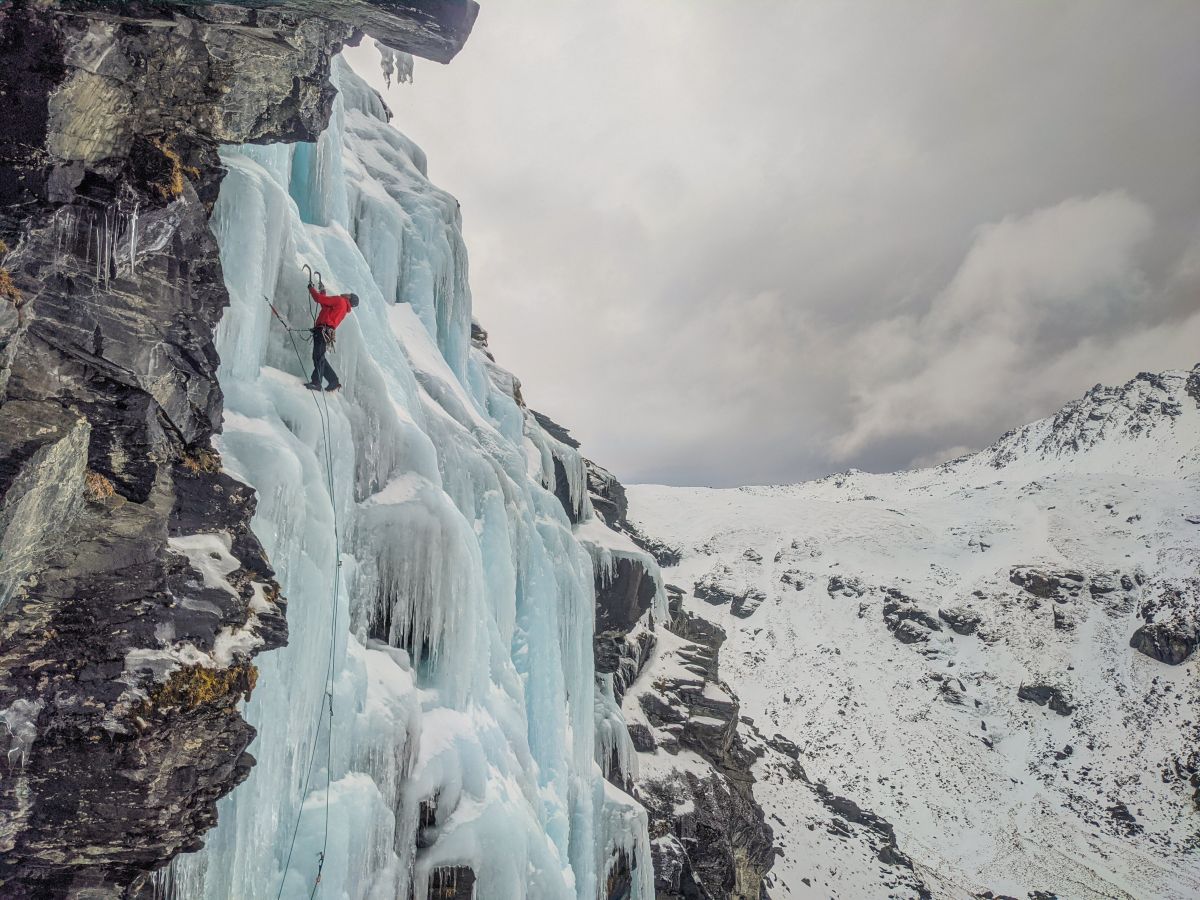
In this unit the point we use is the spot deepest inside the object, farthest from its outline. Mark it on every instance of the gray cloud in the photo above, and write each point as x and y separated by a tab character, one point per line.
730	243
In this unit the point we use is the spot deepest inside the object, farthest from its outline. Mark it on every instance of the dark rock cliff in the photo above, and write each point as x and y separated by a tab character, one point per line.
710	837
624	595
110	288
1171	632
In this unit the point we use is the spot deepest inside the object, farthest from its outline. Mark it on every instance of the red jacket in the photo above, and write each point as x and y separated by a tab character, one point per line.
333	309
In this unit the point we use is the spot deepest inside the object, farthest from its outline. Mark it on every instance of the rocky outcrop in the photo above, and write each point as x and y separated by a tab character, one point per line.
608	497
906	620
623	597
1171	632
717	848
134	595
1113	592
961	619
622	645
845	587
1165	642
609	502
720	588
1192	386
1046	695
1047	584
709	836
713	589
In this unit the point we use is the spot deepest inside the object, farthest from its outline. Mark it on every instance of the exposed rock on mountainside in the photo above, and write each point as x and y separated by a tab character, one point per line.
1046	695
609	501
117	527
995	657
690	766
710	838
626	582
906	620
1048	585
431	29
1172	615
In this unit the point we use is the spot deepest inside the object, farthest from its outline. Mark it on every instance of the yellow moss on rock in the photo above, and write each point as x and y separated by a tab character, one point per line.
173	187
8	290
97	487
192	687
197	461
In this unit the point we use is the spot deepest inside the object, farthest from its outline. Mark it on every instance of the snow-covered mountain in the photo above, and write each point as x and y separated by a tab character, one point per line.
973	680
404	640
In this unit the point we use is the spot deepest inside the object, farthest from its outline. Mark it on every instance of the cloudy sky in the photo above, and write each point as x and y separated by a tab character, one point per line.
730	243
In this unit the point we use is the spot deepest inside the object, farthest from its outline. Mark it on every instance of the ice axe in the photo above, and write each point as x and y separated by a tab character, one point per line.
311	272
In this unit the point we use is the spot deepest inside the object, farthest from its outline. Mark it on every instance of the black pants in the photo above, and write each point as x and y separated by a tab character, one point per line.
321	367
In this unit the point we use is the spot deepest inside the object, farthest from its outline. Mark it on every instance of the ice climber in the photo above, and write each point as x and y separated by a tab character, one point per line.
334	308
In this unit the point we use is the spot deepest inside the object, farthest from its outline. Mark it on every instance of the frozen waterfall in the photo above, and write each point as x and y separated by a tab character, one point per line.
461	673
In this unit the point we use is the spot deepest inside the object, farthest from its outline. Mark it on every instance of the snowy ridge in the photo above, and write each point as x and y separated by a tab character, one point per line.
1109	426
464	731
944	656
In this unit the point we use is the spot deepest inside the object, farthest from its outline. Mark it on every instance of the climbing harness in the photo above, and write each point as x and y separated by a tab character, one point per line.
330	335
322	407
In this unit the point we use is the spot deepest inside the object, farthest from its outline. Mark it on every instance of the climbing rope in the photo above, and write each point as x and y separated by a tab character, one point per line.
322	407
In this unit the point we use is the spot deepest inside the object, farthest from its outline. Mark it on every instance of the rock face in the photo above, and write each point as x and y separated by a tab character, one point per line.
961	619
1046	695
432	29
1048	585
906	620
132	593
609	502
1171	631
709	837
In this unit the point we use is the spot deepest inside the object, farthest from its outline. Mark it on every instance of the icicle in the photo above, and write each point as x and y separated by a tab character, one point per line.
99	233
613	743
133	223
395	62
20	721
109	244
